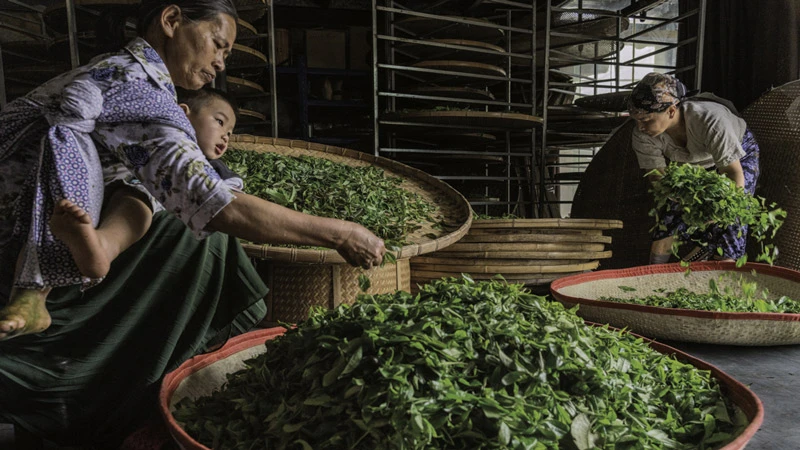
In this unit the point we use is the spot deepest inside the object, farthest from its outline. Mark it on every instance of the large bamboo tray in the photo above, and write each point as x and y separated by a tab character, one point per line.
250	10
55	15
458	92
244	30
240	86
442	29
452	206
204	374
422	51
250	117
728	328
468	119
465	73
243	56
528	251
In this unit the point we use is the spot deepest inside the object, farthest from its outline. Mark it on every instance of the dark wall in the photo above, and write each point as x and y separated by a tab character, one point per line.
750	46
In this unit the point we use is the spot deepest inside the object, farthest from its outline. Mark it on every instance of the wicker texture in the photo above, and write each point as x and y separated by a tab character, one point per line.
706	327
206	373
775	121
452	207
613	187
527	251
294	288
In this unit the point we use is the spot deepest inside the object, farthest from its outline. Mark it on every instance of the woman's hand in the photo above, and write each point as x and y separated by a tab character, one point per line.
361	248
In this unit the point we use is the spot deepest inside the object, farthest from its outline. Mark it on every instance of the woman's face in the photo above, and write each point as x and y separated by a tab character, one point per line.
197	50
653	124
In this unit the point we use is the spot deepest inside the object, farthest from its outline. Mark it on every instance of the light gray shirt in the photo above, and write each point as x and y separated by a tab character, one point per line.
714	135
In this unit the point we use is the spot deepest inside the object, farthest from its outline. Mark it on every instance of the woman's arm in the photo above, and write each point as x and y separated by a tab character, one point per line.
257	220
735	172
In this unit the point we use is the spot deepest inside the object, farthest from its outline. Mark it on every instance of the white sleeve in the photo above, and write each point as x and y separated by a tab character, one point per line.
649	151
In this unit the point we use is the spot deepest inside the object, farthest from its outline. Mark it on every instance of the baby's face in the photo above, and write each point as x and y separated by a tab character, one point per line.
213	124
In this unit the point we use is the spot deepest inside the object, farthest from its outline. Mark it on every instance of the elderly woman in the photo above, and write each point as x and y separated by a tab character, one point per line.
704	130
182	287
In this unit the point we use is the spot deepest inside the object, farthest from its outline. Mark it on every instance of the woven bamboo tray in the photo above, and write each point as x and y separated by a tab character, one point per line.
244	30
571	224
248	117
250	10
460	92
430	27
708	327
505	269
429	52
243	56
464	73
294	288
468	119
452	207
204	374
240	86
513	246
55	15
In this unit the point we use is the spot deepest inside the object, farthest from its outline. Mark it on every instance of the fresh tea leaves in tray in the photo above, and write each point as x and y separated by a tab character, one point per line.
365	195
707	197
461	365
741	296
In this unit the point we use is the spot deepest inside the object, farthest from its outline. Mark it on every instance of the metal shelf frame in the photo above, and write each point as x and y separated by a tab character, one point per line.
392	66
559	61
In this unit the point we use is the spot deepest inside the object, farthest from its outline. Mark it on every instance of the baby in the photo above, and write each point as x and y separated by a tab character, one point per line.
126	216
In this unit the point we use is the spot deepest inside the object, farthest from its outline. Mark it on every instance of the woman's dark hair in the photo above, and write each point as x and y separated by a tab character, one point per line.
193	10
199	98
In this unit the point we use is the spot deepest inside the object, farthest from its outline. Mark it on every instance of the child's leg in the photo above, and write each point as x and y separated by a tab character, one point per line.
25	312
124	220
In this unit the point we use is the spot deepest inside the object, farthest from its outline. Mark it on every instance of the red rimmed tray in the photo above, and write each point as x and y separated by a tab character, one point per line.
708	327
205	373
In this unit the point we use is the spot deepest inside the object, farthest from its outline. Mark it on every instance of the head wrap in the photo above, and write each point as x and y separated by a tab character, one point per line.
655	93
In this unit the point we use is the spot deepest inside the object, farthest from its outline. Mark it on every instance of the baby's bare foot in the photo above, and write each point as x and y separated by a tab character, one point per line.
26	314
72	225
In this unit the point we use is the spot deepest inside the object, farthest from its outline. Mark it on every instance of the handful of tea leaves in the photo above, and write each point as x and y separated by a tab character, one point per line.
461	365
317	186
707	197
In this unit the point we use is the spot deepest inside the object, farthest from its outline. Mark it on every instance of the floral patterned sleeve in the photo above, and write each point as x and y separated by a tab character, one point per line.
172	168
143	127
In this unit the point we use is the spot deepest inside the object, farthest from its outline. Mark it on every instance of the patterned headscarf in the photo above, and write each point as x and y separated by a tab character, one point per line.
655	93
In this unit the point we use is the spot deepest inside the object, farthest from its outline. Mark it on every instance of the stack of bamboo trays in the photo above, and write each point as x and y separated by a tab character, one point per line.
533	252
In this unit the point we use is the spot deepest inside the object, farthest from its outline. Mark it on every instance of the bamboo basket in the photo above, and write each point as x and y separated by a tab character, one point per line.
708	327
533	252
294	288
204	374
301	278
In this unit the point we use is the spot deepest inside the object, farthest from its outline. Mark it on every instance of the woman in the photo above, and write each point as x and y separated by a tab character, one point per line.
176	292
704	130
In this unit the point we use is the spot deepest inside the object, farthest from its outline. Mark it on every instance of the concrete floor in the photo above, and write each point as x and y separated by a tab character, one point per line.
773	373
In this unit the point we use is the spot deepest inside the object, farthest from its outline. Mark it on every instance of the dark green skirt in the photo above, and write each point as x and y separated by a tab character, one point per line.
96	370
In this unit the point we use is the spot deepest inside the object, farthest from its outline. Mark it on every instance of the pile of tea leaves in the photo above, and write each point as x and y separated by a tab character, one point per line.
461	365
745	297
317	186
707	197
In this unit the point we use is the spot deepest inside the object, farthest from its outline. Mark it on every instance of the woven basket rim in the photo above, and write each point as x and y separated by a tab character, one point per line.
722	266
578	224
741	395
460	227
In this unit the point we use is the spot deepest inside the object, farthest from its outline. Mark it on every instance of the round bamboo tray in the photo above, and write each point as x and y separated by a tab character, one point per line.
206	373
454	138
708	327
244	30
294	288
468	119
421	51
243	56
533	236
572	224
464	69
240	86
504	269
430	27
249	117
452	207
250	10
524	247
457	92
55	15
508	258
579	242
